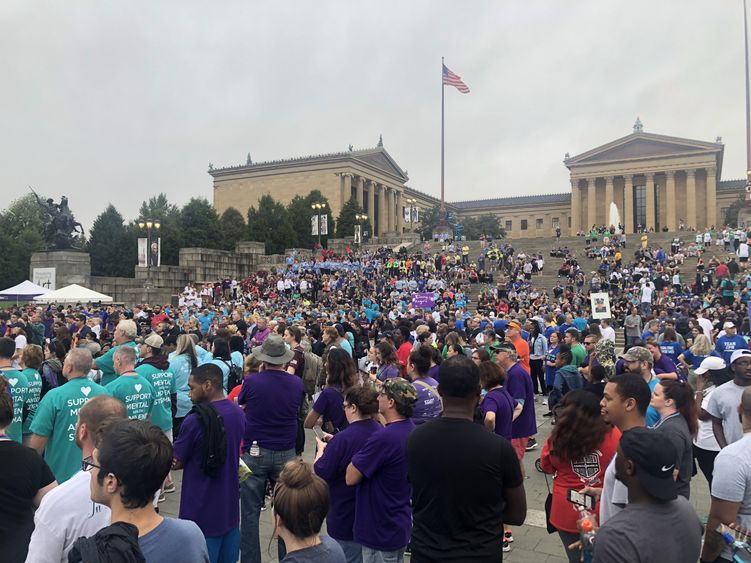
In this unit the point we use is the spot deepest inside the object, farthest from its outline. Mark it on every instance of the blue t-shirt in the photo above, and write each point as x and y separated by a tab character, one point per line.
383	514
672	350
726	345
328	550
176	540
653	417
550	371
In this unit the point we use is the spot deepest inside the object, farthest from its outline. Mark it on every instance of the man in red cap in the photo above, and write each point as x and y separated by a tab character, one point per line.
514	335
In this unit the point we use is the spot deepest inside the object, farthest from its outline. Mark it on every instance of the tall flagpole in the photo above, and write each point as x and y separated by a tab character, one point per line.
443	90
748	105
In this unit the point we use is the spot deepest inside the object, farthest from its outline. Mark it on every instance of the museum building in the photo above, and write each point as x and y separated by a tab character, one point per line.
654	181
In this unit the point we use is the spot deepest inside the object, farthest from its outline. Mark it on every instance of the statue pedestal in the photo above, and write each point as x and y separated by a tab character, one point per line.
442	232
54	269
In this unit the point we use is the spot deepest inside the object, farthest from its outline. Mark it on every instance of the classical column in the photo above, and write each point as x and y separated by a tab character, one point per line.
608	198
359	188
383	212
628	203
711	197
591	202
346	188
670	202
392	213
399	213
371	205
691	198
650	195
575	207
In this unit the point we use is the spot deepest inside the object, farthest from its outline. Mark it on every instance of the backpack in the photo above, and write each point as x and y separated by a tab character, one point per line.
235	376
311	372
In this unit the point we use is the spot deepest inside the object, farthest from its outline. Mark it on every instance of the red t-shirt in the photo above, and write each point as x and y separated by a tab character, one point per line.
403	354
589	470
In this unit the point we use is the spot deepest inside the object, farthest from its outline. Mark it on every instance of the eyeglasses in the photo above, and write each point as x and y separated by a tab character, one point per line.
87	463
588	343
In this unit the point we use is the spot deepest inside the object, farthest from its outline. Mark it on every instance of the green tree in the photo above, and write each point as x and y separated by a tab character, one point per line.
345	224
21	227
487	224
300	213
199	224
112	245
271	224
731	215
429	219
233	228
160	209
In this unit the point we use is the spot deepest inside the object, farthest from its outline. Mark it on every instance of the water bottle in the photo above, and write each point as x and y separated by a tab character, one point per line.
255	450
587	535
741	549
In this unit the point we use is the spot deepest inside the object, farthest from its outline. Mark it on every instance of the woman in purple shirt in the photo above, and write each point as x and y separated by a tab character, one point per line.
428	405
341	375
332	459
499	409
388	364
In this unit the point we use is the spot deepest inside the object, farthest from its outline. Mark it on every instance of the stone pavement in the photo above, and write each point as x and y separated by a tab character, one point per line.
532	543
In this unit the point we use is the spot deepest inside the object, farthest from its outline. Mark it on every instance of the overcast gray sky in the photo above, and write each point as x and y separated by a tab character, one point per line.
116	101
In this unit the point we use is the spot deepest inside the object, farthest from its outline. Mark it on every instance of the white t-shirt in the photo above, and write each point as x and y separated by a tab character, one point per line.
705	436
706	327
608	332
66	514
723	404
21	343
646	293
731	478
614	493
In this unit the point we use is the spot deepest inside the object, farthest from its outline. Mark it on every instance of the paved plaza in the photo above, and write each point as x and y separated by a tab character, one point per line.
532	543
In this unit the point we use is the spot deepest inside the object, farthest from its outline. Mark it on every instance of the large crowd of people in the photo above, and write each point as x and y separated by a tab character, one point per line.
423	403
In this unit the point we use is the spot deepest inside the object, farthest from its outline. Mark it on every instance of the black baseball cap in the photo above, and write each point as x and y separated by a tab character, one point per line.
654	456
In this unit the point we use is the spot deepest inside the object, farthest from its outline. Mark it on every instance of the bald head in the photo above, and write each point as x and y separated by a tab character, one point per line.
100	409
745	406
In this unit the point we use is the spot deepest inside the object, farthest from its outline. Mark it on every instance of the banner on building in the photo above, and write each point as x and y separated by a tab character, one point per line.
314	225
45	277
407	215
600	303
358	234
415	214
324	224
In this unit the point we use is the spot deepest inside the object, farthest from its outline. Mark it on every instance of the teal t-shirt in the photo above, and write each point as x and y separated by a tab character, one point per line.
35	394
163	381
56	418
137	394
105	364
19	392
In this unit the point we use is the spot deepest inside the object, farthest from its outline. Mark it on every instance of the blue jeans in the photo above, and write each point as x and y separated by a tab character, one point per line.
226	548
374	556
352	551
265	467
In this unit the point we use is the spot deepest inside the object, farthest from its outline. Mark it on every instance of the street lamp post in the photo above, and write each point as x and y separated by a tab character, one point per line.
149	225
360	218
317	208
412	203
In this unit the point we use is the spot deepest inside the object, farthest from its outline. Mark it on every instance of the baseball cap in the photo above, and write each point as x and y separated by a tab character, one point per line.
638	354
739	354
711	363
654	456
504	346
728	324
400	390
515	324
154	340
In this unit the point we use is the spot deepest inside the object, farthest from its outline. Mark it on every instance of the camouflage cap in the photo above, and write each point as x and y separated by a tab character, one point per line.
400	390
638	354
605	354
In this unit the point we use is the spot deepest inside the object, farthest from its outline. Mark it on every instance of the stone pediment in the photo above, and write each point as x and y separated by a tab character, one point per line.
380	159
640	146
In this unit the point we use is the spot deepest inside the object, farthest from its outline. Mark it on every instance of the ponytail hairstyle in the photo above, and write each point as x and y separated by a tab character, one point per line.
301	499
683	396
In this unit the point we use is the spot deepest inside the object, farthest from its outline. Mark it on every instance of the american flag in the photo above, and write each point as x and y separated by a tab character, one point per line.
453	80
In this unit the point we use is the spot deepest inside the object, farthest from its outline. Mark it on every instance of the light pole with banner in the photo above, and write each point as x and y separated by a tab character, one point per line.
360	218
149	249
411	213
319	221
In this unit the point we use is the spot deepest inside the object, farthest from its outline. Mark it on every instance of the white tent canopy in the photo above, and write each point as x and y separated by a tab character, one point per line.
73	293
23	291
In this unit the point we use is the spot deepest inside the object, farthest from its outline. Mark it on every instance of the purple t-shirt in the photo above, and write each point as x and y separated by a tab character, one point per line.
433	372
664	365
272	401
332	468
383	514
519	386
388	372
428	405
213	504
503	405
329	404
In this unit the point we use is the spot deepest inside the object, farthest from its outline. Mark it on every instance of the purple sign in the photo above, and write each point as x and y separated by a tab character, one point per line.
423	300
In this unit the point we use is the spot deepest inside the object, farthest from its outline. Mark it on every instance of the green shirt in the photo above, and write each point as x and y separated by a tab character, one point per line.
104	363
56	418
137	394
19	391
578	353
35	392
163	382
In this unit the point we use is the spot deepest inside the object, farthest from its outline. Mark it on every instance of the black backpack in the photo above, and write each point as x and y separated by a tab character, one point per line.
235	376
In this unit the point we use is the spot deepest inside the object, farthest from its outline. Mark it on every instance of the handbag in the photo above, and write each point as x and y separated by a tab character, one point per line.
548	508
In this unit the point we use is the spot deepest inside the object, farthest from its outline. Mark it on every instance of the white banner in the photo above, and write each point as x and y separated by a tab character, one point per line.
142	252
324	224
407	215
45	277
314	225
415	214
600	303
149	256
358	234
